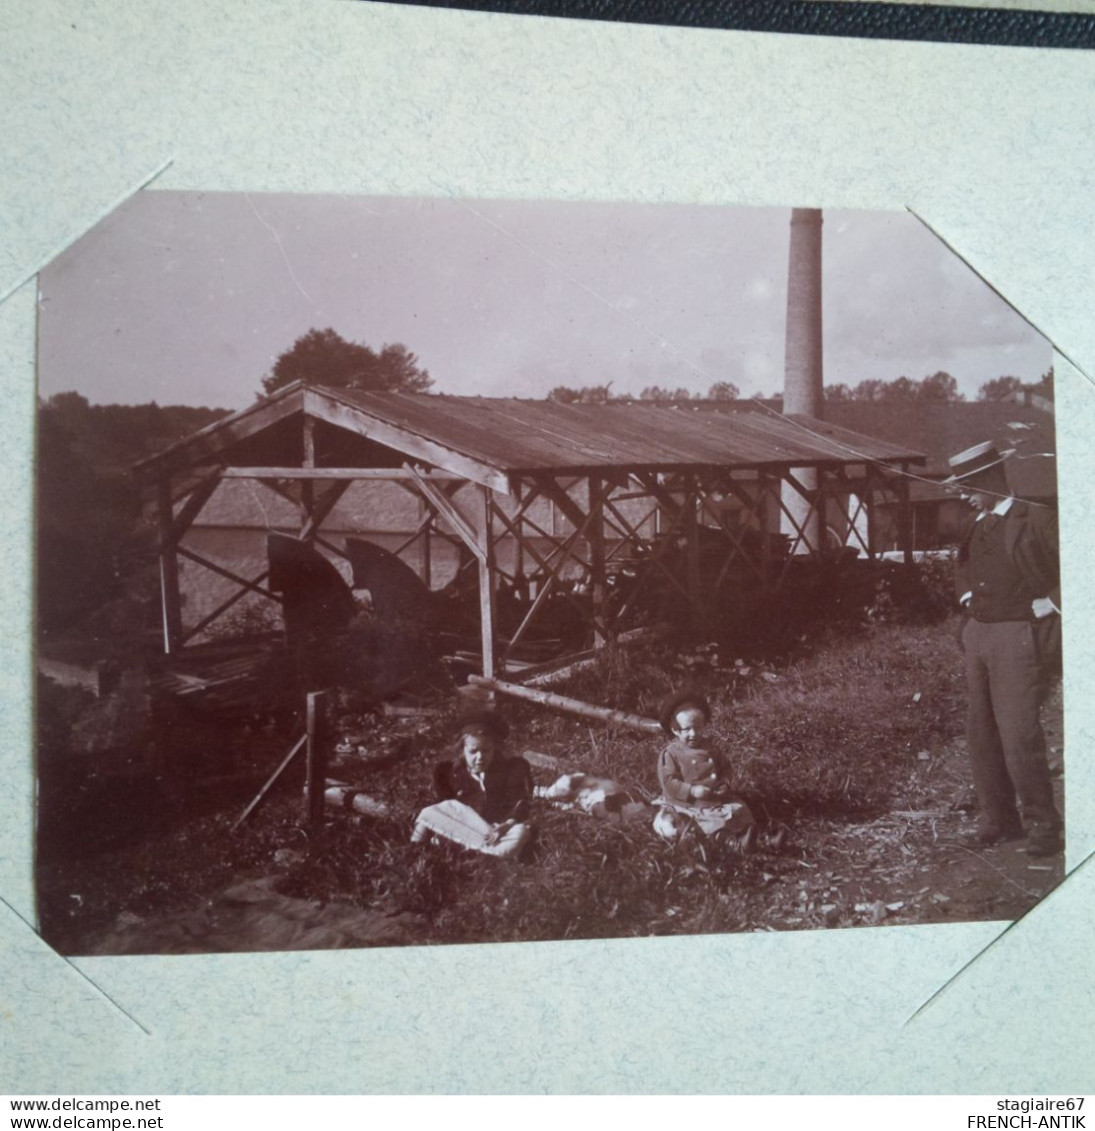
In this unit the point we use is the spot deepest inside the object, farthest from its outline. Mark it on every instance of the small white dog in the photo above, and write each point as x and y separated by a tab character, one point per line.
601	797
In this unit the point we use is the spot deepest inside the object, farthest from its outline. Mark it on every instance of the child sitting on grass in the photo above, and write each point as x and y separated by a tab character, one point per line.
485	795
693	777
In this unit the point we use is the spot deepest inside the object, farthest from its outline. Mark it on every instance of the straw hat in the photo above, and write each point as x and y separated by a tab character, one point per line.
975	460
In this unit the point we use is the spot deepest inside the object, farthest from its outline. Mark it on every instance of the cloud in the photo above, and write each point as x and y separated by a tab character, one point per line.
501	297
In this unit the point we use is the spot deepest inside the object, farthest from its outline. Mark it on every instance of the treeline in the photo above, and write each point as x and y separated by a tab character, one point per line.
91	542
113	437
938	388
602	394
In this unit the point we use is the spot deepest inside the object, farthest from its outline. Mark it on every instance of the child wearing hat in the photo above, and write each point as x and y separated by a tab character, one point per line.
485	796
694	780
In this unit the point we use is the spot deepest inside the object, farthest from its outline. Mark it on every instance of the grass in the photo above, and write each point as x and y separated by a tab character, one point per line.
828	742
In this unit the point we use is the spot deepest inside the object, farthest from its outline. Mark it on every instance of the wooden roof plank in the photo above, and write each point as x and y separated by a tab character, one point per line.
495	441
203	446
326	408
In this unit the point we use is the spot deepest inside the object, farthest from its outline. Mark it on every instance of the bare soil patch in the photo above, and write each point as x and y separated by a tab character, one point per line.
853	744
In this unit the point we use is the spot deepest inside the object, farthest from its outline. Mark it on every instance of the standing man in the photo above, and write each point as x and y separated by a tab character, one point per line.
1008	580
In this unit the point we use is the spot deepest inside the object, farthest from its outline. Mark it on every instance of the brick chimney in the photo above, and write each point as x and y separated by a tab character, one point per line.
802	367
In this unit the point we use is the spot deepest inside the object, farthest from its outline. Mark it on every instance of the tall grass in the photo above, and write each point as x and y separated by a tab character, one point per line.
842	729
834	735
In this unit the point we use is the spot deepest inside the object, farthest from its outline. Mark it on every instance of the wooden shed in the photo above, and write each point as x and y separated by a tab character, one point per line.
540	497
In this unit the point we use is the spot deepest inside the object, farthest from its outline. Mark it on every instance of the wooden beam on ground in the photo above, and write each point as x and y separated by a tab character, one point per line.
535	675
569	706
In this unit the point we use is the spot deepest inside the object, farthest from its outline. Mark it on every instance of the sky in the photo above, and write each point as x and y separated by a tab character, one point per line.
189	298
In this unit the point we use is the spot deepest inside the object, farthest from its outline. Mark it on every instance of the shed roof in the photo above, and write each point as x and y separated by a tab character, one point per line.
941	430
489	439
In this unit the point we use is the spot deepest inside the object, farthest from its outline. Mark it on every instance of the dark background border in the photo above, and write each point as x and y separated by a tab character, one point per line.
936	23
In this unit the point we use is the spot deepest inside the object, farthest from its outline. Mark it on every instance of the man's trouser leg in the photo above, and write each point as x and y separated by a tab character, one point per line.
1007	744
990	774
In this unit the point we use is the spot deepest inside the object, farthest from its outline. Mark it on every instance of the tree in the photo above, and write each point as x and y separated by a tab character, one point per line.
723	391
324	357
659	395
870	390
939	388
91	540
901	389
999	389
587	394
85	515
838	393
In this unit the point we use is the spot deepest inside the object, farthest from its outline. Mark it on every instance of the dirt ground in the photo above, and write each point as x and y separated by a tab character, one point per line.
897	867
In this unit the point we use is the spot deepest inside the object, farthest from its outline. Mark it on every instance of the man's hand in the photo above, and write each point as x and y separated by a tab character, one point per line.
699	792
1042	607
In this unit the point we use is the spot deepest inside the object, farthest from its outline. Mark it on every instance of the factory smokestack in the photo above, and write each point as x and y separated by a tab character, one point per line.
802	375
802	372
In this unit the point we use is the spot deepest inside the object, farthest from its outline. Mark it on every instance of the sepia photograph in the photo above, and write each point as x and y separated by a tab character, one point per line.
421	571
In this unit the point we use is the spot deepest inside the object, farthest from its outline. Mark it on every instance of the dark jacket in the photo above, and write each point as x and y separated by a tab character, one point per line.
680	767
505	794
1031	541
1030	537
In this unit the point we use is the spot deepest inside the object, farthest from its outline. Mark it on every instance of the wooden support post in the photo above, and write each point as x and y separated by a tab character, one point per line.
821	502
307	486
692	547
520	580
598	583
170	598
487	612
873	500
904	518
316	779
427	543
768	515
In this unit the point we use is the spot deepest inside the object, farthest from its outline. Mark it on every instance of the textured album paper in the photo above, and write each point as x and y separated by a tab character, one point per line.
990	147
